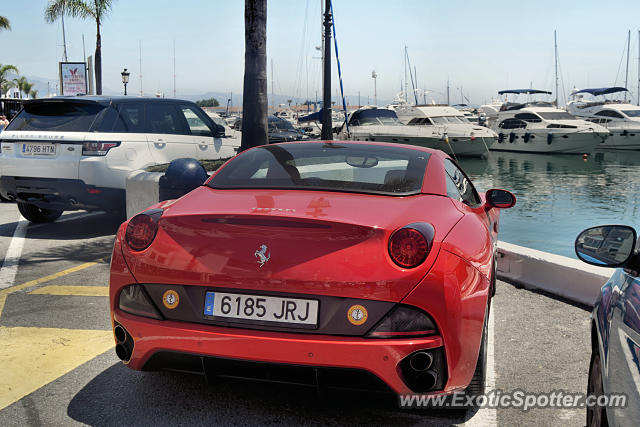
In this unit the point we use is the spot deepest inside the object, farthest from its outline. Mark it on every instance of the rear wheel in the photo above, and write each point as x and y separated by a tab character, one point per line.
596	415
38	215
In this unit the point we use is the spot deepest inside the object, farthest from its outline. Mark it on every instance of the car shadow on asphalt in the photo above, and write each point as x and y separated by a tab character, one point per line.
97	250
121	396
80	227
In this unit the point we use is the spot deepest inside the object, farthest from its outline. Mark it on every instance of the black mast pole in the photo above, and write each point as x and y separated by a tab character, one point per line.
326	134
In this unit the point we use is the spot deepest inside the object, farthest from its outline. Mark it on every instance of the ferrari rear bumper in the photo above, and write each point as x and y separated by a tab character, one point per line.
383	358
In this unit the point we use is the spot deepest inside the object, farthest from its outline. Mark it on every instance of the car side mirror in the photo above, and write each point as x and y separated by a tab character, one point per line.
501	199
607	245
218	131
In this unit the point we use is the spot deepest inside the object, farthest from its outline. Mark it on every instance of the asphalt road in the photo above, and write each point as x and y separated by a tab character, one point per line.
60	368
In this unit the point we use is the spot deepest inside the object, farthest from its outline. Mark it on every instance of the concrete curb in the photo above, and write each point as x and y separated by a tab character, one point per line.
142	191
559	275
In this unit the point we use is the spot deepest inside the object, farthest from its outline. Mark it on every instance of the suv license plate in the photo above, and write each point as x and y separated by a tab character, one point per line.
44	150
261	308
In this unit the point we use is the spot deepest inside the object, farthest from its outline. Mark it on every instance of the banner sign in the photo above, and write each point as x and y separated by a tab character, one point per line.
73	78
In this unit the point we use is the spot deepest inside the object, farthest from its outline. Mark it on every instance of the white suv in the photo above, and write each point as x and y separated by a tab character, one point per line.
69	153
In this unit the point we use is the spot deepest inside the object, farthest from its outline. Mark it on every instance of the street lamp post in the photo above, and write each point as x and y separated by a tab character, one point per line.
374	76
125	80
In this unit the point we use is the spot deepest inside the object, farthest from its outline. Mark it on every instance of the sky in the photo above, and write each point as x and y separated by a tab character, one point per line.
479	47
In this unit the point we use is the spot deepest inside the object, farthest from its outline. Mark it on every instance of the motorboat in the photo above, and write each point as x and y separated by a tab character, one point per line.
620	117
456	124
383	124
541	127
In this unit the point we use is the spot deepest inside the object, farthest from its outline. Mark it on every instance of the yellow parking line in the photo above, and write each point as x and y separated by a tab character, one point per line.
84	291
7	291
37	356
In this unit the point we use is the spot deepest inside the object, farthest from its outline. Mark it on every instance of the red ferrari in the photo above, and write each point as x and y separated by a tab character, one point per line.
352	264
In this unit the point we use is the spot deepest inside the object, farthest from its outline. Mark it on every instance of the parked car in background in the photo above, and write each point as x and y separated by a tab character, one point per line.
615	323
352	264
68	153
279	130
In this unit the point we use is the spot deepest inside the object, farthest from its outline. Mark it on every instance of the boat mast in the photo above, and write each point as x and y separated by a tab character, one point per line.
273	102
555	49
448	99
639	67
626	78
406	86
174	68
326	96
140	66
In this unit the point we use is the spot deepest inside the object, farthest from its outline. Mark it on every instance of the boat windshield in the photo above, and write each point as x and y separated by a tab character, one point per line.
374	117
443	120
557	115
632	113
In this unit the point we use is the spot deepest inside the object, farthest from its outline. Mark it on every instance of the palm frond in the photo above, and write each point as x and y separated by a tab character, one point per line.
4	23
74	8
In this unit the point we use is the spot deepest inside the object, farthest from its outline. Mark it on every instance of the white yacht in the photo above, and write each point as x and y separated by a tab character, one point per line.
541	127
621	118
382	124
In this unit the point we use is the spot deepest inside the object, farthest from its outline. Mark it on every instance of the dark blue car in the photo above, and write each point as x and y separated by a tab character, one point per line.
615	325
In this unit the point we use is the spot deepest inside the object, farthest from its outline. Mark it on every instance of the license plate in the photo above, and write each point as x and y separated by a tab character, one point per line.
261	308
38	150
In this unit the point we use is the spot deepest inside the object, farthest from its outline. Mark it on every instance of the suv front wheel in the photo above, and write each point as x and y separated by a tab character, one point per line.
36	214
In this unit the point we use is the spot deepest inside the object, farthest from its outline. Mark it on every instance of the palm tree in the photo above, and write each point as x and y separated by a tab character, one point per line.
254	95
23	85
4	23
4	70
95	9
34	93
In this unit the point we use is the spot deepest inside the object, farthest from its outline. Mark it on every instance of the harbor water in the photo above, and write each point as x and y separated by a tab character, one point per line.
560	195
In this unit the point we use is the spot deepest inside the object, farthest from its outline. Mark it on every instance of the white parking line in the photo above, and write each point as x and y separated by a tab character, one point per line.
487	416
12	257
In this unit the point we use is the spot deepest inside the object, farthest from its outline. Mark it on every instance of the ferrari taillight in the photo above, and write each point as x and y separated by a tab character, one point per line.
410	245
142	229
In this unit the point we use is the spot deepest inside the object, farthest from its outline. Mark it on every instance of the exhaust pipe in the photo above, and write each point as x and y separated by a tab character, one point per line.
421	361
120	334
122	352
427	380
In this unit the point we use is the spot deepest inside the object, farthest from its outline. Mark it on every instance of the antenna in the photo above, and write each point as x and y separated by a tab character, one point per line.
273	101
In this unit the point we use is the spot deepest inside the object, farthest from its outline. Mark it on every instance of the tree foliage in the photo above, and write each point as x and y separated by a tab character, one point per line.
4	23
211	102
4	83
84	9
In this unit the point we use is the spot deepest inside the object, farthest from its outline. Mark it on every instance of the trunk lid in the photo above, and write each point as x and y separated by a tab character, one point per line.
306	242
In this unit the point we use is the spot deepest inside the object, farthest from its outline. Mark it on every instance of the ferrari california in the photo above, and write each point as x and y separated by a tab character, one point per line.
351	264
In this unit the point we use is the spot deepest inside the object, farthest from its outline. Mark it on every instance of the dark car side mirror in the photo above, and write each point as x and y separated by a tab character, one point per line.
606	245
501	199
218	131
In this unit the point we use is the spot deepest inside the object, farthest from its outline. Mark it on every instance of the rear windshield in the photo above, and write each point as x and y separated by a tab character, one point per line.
56	116
348	167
